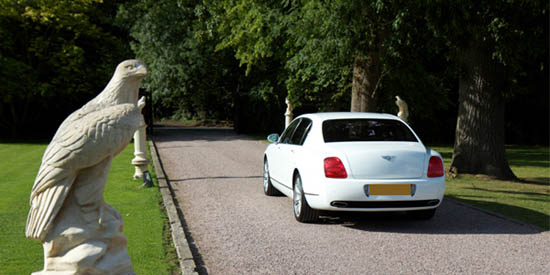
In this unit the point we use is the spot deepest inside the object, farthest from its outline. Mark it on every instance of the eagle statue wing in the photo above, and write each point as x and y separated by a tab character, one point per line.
83	140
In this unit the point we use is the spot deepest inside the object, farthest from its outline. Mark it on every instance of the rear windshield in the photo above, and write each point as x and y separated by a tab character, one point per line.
341	130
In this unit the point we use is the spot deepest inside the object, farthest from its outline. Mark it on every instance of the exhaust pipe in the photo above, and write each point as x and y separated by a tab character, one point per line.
432	202
339	204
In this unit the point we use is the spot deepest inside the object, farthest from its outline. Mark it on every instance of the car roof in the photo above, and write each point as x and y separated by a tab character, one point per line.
347	115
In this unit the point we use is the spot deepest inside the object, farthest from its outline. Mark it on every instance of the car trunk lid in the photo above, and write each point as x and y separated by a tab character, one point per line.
383	160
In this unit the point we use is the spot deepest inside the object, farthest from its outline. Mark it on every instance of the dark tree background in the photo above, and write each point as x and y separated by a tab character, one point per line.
55	56
474	73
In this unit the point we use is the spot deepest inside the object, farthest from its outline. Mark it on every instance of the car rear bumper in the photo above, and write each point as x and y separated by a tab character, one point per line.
352	195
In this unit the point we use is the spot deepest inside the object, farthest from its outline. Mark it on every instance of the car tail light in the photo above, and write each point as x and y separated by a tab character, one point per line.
435	167
334	168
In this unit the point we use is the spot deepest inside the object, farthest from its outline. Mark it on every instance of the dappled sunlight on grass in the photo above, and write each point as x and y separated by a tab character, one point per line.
522	201
527	201
537	180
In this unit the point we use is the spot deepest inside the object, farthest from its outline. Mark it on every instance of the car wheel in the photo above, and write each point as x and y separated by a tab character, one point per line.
268	187
302	211
422	214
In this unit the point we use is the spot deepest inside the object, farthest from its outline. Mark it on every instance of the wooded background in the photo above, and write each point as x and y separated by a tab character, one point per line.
481	63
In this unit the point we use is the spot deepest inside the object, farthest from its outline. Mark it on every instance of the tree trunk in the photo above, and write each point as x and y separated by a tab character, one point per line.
479	140
366	75
236	107
14	119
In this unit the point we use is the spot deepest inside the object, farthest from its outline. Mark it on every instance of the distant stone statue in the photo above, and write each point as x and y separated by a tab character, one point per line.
403	109
288	114
82	234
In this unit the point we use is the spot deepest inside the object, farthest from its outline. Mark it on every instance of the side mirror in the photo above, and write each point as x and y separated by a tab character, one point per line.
273	138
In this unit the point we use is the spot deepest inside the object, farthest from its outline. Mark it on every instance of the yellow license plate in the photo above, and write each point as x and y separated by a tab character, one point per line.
390	189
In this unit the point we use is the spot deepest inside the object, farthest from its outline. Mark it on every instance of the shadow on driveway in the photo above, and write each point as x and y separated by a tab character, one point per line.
451	218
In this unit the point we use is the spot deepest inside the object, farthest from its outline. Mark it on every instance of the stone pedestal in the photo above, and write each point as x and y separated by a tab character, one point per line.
140	160
86	239
140	150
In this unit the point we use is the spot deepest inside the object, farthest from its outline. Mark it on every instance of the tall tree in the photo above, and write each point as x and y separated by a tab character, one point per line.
327	38
491	42
254	32
362	54
328	48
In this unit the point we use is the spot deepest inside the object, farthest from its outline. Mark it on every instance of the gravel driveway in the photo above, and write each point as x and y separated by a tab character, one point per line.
235	229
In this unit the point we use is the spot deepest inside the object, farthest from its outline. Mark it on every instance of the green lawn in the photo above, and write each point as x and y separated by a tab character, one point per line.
527	201
145	222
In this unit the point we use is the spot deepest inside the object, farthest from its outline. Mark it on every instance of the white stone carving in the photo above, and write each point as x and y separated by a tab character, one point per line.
403	109
80	233
288	114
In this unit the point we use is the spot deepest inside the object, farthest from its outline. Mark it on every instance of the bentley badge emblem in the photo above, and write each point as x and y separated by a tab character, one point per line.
389	158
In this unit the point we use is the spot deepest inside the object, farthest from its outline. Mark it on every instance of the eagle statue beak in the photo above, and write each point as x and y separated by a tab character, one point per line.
140	68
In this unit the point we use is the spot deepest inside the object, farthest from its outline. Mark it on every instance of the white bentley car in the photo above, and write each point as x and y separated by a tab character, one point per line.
353	162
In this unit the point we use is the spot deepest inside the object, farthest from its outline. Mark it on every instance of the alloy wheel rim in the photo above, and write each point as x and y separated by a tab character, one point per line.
297	197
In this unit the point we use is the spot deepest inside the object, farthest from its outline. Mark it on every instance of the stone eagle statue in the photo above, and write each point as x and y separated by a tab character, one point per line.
403	108
79	231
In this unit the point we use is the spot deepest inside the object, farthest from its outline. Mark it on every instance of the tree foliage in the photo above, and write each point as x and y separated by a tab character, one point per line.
55	55
192	76
329	37
235	57
312	46
163	33
239	59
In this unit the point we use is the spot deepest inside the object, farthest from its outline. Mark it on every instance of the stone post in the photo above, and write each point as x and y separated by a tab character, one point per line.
288	114
140	161
140	152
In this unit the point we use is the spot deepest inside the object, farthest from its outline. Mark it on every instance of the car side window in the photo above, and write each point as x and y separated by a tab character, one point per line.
301	132
287	134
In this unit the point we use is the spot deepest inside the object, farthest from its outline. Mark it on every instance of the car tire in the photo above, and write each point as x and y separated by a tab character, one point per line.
269	190
422	214
302	211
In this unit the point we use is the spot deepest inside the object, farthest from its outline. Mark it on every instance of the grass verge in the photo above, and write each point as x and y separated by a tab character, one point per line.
527	201
145	222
